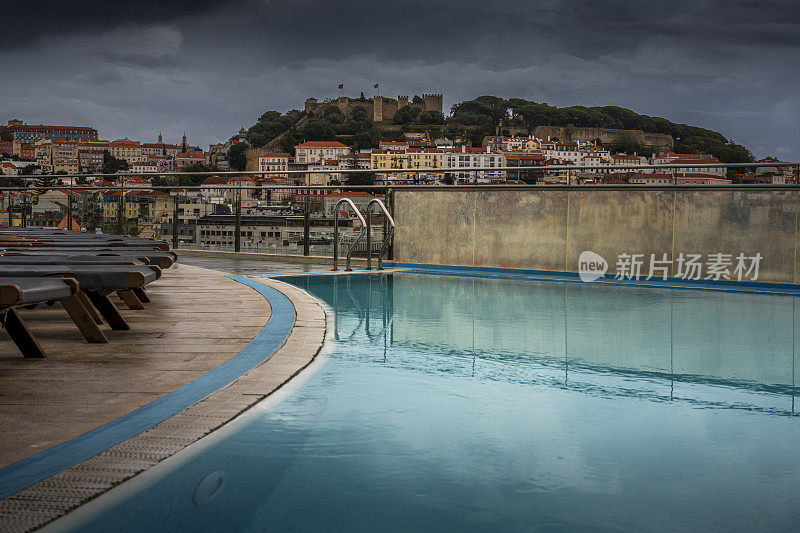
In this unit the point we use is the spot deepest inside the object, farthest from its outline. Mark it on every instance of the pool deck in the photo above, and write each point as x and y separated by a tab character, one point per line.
199	319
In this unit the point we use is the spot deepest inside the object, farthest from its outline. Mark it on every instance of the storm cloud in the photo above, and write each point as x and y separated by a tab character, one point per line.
208	68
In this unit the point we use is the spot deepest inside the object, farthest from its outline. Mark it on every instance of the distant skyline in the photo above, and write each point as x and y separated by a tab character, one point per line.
208	68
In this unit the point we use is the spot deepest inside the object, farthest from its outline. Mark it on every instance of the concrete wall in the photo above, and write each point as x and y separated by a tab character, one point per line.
548	229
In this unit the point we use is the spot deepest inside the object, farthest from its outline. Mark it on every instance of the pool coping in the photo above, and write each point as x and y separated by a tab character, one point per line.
292	338
757	287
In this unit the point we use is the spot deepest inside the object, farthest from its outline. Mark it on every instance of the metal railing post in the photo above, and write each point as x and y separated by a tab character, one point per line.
307	225
237	224
175	221
336	238
69	211
390	251
23	221
121	211
369	238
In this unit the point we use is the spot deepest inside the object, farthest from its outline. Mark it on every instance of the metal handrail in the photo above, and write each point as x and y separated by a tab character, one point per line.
349	202
386	238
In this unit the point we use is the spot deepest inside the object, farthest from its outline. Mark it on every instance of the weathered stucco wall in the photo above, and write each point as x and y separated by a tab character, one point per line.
548	229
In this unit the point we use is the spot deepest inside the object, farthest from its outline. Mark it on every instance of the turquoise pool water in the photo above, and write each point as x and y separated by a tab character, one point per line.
467	404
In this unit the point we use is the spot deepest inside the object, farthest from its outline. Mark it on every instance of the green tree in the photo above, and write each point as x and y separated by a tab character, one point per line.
430	117
112	165
237	155
27	170
406	115
318	130
6	136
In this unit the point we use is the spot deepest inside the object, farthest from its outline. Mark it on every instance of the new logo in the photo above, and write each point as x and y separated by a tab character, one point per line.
591	266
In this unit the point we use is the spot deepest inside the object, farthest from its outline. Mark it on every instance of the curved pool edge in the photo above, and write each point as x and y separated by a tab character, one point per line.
57	483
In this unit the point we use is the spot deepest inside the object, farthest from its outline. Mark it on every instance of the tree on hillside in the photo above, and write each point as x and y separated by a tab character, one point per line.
333	115
317	130
406	115
6	136
491	109
270	125
430	117
237	156
112	165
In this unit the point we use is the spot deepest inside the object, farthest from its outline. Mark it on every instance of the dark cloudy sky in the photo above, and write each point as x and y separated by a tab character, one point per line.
136	68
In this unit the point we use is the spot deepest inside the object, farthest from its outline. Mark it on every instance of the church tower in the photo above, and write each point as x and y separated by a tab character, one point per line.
183	143
160	139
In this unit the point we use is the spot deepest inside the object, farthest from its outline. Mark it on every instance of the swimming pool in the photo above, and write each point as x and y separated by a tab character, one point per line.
468	403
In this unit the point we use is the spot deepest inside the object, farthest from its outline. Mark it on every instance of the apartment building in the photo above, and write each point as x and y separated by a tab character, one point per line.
467	157
192	157
28	134
316	151
130	151
274	162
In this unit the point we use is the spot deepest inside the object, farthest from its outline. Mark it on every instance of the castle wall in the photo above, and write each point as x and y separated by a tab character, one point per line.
659	141
378	108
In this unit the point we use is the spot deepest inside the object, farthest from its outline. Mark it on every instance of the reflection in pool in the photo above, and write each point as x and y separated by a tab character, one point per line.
460	403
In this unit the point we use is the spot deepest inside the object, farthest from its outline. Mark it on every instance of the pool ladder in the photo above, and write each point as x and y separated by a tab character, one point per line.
366	227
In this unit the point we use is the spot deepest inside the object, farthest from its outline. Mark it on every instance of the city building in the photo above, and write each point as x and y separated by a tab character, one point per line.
90	160
193	157
467	157
28	134
130	151
274	162
315	151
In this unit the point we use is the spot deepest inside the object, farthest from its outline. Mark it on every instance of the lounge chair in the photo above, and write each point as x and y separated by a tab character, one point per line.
26	291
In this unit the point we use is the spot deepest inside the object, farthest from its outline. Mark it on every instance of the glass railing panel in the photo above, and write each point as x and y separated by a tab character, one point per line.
741	226
520	229
435	227
624	227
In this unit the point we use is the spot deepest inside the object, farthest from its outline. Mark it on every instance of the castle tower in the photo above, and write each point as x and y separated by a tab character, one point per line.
377	108
311	105
432	102
402	101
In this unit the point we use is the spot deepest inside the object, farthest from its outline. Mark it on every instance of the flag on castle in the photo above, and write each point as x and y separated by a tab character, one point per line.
341	85
376	85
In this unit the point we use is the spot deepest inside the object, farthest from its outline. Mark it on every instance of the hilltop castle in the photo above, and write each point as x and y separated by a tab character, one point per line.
378	107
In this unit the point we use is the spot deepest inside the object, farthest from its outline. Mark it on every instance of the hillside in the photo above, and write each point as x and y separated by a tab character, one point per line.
492	112
474	119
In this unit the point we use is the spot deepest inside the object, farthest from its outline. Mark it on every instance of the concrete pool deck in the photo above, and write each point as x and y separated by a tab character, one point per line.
199	321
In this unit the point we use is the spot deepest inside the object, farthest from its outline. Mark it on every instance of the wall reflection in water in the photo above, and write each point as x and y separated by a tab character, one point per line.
741	340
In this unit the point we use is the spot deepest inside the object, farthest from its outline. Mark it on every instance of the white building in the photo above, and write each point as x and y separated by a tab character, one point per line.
315	151
464	157
691	160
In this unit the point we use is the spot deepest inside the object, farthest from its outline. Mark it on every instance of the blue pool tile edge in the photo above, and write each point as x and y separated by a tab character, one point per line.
572	277
51	461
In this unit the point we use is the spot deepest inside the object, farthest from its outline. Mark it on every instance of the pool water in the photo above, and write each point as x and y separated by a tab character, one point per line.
467	404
